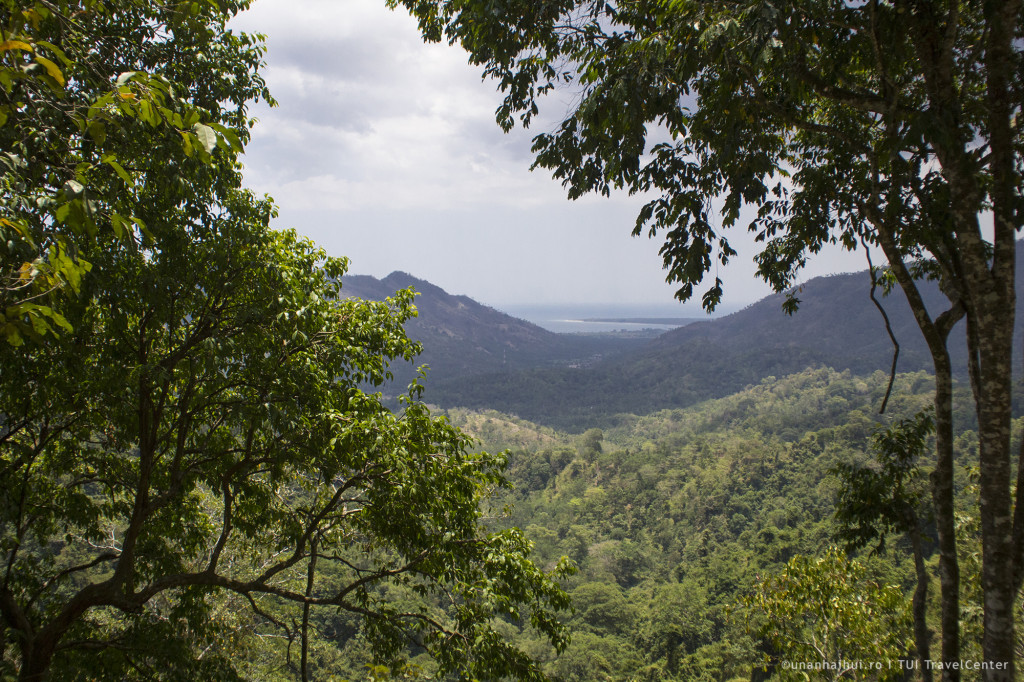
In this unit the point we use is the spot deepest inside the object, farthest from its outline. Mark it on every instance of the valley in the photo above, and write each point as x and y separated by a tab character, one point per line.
678	472
481	358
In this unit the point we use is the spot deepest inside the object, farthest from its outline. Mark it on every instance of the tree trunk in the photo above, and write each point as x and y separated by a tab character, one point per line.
936	334
994	418
987	276
945	519
922	635
36	659
310	580
995	308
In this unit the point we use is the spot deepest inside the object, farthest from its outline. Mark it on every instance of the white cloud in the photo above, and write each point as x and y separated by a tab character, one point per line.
370	115
385	149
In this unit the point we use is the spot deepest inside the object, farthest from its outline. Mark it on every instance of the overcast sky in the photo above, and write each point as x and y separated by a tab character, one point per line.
384	149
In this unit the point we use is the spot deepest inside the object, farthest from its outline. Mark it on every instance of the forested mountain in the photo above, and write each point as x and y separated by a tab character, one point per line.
462	337
837	326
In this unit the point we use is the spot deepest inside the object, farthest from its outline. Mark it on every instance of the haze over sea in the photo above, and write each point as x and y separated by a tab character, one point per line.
571	318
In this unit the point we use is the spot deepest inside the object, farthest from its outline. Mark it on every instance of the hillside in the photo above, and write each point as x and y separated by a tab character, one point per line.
463	338
836	326
671	517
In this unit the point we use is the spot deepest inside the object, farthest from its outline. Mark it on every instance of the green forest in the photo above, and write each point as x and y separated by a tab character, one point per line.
676	518
214	464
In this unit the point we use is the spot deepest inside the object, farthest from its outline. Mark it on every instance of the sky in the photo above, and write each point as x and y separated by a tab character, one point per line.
384	149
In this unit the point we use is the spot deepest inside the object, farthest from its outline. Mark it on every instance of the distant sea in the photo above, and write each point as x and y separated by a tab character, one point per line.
582	318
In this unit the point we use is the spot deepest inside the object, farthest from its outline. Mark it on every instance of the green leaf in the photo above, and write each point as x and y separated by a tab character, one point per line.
121	173
186	143
98	132
52	69
61	214
125	77
12	335
117	224
147	112
59	53
206	136
229	136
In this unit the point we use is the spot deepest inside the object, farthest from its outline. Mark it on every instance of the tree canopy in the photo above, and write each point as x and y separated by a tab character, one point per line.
823	615
206	434
212	435
103	107
892	124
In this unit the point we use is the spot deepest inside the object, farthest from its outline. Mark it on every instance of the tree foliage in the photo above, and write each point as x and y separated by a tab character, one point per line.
824	615
892	124
211	436
103	104
874	502
201	450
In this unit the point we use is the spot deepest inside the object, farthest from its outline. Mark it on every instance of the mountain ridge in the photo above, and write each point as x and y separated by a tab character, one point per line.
462	337
837	325
482	358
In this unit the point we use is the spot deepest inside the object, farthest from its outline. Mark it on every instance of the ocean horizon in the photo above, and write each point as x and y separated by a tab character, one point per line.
575	318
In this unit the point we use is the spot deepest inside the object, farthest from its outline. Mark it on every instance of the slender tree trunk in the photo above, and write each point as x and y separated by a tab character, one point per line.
945	519
922	635
995	311
994	419
987	277
936	333
310	579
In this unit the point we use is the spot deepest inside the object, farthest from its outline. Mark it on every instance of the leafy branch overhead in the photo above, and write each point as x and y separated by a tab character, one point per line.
86	107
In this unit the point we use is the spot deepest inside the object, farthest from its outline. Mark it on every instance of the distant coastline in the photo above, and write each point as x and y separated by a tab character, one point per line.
661	321
590	318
